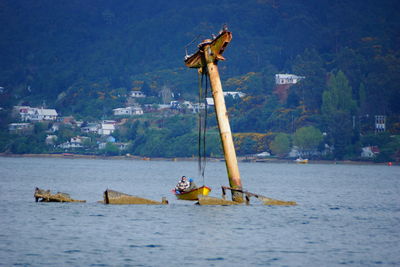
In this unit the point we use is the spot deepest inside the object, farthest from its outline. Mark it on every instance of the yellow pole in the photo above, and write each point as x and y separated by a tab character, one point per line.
223	124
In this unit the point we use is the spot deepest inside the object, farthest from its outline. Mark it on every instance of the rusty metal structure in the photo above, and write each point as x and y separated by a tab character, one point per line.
206	61
42	195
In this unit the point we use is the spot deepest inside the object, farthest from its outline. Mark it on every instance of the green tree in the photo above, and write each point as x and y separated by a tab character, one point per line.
338	107
307	139
248	146
111	149
280	146
309	91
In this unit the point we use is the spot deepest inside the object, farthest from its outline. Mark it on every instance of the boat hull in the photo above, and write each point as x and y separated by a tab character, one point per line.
193	194
302	161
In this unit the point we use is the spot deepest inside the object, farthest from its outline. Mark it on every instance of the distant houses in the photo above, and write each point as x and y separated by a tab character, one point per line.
75	142
138	94
234	94
27	113
128	111
45	115
90	128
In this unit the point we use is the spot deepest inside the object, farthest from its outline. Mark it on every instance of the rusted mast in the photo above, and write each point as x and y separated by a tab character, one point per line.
206	59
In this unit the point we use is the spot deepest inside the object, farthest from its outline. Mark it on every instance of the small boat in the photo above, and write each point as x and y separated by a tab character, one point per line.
193	194
301	161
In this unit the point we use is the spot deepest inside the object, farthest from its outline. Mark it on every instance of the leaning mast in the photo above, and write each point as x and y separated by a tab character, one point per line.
206	60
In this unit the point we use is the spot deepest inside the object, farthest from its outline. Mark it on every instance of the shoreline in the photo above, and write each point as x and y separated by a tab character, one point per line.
240	159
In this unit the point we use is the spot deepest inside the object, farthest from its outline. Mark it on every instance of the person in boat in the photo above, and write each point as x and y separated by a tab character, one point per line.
192	185
185	185
182	185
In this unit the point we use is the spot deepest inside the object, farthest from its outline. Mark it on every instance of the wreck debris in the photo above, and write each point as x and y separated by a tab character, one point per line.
115	197
265	200
46	196
207	201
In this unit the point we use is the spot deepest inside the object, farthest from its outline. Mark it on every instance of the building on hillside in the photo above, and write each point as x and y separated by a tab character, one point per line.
174	104
380	123
20	128
188	106
282	84
234	94
23	112
110	122
155	107
66	120
128	111
287	79
90	128
197	107
138	94
210	101
75	142
27	113
106	128
42	114
369	152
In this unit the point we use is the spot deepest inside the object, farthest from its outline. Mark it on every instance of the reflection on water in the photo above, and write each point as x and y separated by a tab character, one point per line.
347	214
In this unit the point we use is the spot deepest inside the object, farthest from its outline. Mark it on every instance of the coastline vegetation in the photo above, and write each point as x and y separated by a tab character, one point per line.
84	61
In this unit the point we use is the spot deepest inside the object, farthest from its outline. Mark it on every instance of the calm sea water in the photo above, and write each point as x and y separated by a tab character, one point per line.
346	215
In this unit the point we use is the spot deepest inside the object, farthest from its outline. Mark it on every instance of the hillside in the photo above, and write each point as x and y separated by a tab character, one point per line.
80	57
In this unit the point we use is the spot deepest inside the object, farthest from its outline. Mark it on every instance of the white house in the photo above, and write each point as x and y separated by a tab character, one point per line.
369	151
197	107
75	142
234	94
287	79
24	112
90	128
128	111
122	112
27	113
67	145
42	114
210	101
137	94
106	128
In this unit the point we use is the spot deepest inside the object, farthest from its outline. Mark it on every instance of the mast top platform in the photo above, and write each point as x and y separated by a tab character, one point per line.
209	50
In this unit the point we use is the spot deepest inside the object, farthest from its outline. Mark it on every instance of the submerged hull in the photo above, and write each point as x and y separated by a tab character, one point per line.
118	198
193	194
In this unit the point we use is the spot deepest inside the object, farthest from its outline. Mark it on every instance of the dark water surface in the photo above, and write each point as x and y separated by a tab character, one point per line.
347	215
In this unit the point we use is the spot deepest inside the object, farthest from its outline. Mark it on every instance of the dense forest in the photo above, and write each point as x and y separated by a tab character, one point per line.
82	57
